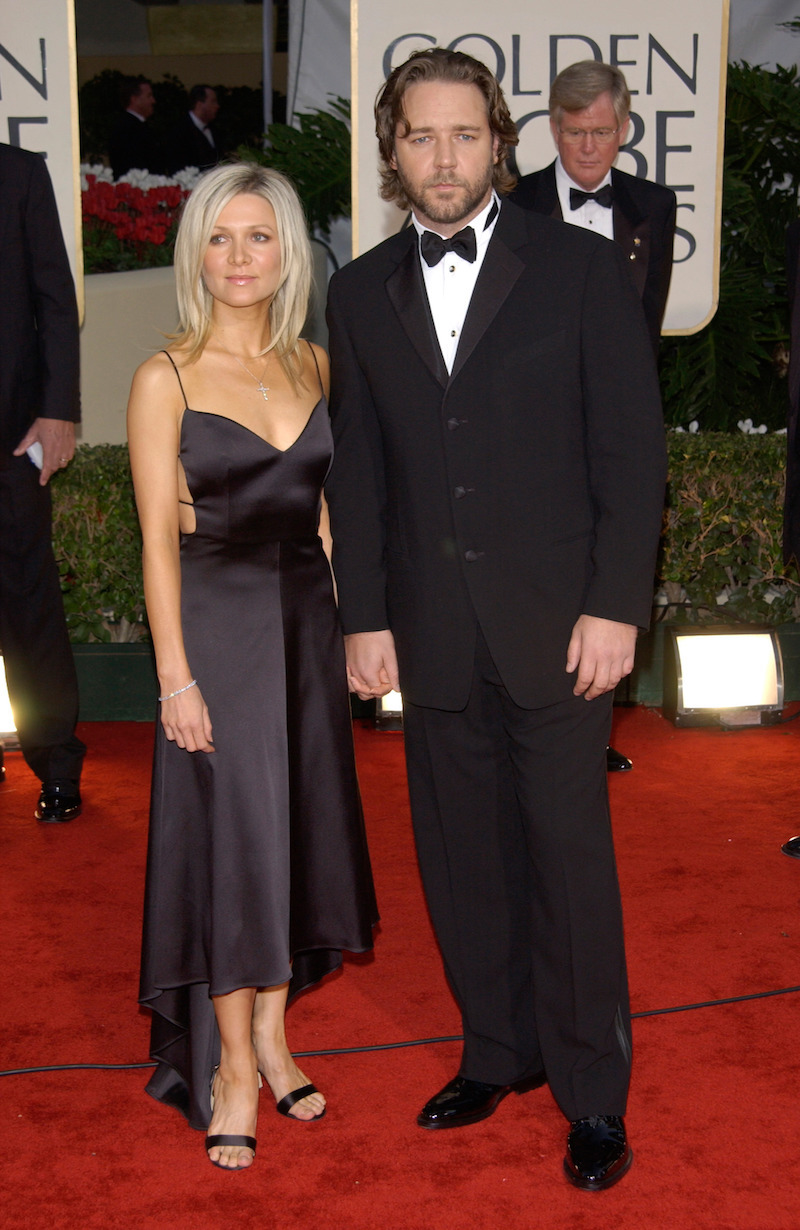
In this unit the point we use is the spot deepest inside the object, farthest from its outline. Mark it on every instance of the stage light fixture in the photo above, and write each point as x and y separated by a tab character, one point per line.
8	728
722	676
389	712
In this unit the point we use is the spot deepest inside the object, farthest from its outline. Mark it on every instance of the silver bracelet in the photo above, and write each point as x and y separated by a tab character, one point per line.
193	684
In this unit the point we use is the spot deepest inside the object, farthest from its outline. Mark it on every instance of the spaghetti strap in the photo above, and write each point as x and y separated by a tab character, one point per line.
177	373
316	364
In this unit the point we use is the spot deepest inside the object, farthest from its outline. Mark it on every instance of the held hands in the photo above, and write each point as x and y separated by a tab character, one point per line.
186	722
57	439
371	664
601	650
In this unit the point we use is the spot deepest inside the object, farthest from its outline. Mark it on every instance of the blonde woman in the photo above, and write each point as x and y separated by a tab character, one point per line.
258	873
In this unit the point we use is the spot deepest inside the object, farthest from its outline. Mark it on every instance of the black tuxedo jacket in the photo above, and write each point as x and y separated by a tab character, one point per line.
39	369
187	147
644	227
134	146
523	489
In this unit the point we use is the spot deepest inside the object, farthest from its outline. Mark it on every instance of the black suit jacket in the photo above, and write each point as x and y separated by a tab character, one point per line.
187	147
644	227
525	488
39	369
133	146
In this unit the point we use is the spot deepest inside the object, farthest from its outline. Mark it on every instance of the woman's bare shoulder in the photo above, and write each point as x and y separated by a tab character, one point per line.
158	373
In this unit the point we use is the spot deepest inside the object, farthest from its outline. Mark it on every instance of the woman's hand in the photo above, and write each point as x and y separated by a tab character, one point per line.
186	722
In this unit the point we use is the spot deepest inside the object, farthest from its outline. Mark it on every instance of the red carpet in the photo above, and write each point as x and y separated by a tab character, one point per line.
712	912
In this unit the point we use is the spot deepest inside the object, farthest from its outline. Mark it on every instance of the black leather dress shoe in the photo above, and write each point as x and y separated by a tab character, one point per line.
616	762
792	847
598	1153
58	802
463	1101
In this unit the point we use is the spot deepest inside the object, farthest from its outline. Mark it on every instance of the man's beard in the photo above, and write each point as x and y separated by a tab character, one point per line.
426	201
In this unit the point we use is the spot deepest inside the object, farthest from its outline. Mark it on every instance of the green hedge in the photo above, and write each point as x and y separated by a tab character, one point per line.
722	537
721	555
98	546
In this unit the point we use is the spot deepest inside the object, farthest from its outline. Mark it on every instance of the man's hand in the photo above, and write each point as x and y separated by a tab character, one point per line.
57	438
371	664
601	650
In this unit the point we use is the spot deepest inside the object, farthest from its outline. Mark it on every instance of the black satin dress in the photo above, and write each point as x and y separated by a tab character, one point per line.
258	871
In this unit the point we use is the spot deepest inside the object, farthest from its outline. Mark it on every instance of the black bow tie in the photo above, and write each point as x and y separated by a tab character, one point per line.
463	243
604	196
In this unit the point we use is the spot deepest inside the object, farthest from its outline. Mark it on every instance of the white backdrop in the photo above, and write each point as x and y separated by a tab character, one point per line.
674	59
39	102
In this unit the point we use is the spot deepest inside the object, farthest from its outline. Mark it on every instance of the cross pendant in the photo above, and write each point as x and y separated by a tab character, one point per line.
263	391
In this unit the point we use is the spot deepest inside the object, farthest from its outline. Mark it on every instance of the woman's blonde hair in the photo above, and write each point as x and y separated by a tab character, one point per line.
289	306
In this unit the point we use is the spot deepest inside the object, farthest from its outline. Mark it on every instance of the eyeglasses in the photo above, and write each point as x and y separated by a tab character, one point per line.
602	136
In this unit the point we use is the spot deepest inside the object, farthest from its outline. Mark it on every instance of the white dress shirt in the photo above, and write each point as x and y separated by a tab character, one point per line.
450	284
590	215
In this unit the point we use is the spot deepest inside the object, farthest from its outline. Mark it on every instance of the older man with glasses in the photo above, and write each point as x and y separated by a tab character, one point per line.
589	119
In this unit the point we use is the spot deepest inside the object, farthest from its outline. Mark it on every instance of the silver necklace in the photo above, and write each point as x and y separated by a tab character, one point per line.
262	388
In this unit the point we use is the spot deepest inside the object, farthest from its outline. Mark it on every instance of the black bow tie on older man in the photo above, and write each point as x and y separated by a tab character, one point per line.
604	196
463	243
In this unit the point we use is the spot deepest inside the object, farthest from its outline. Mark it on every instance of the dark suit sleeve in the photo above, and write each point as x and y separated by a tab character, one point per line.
659	273
624	442
53	296
355	489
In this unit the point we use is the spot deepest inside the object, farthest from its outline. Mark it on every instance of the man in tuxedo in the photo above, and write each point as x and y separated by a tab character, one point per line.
191	142
39	406
133	145
496	500
589	119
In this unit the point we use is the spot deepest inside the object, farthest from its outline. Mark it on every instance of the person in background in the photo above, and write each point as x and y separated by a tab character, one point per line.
589	119
496	498
191	142
39	407
133	144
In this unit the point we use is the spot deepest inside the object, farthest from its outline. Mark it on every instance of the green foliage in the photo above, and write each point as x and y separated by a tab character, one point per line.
721	556
98	546
733	368
721	538
316	157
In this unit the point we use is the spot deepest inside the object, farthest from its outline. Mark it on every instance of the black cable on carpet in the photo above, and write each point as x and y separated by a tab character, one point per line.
396	1046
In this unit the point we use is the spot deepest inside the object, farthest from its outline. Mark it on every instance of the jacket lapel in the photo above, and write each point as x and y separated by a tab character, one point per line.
547	201
406	290
500	269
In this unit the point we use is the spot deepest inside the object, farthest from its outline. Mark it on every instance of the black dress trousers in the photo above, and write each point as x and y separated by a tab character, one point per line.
511	819
40	668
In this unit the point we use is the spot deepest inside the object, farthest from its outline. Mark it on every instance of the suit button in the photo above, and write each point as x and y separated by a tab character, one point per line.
459	492
471	556
452	424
